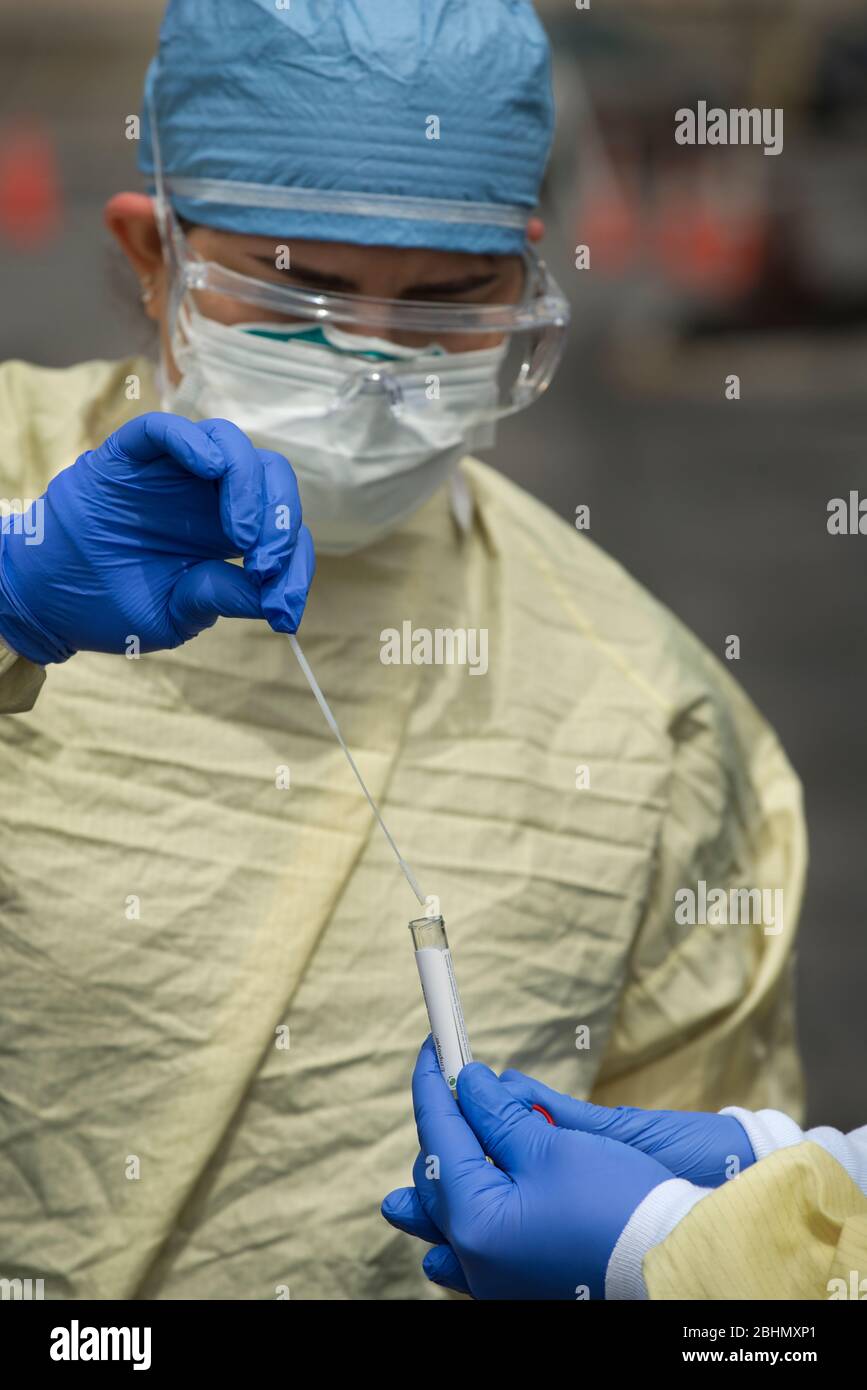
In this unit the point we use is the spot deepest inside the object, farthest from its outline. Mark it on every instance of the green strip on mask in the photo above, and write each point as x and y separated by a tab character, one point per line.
316	335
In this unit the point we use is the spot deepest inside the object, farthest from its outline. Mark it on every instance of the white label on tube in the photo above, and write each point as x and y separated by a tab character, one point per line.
444	1011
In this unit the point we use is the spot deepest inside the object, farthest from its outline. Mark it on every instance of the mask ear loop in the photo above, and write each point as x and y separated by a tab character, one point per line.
171	237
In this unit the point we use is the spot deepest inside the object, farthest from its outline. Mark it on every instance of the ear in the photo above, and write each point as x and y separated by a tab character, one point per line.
131	219
535	229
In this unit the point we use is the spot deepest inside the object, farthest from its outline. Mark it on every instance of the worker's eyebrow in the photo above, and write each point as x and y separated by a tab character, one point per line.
315	279
437	289
458	284
428	289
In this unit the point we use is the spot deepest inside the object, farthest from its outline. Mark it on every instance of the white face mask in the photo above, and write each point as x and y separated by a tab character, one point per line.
362	466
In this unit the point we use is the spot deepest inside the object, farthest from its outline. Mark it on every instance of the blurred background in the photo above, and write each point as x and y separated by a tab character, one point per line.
704	262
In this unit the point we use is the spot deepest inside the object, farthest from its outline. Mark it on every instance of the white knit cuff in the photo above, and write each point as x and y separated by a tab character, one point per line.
769	1130
652	1220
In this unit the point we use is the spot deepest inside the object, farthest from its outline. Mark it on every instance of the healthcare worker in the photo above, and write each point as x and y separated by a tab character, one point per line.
581	1201
209	994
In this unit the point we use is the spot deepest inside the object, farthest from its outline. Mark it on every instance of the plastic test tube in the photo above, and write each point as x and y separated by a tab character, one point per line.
440	989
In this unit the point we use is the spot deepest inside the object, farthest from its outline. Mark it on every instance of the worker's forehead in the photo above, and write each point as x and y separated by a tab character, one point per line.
343	255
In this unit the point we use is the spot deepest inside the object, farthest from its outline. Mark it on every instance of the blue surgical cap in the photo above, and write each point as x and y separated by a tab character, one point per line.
380	122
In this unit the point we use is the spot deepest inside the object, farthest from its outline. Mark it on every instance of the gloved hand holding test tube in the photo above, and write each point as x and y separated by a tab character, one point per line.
432	953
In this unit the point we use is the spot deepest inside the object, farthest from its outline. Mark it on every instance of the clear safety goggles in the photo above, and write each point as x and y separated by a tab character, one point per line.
393	346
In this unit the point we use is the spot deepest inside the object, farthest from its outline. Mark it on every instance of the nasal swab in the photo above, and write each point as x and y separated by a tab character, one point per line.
432	954
430	940
332	724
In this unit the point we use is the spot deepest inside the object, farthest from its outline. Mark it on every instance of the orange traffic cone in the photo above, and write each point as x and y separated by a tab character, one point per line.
30	200
705	247
609	224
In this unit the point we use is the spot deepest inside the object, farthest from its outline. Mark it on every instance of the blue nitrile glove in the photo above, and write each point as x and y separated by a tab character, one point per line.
135	539
543	1222
703	1148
